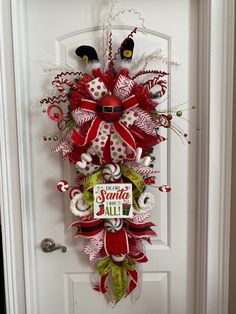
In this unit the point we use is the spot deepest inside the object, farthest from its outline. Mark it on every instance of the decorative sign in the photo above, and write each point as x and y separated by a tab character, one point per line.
113	200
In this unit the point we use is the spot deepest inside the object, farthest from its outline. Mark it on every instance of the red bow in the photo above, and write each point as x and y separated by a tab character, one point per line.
119	127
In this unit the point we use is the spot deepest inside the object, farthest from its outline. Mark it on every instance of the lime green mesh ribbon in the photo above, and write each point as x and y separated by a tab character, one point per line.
93	180
137	180
118	272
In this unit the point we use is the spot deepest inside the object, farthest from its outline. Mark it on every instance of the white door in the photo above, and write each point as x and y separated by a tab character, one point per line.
54	29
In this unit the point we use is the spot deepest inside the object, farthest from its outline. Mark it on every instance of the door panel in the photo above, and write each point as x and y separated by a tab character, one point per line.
55	29
153	299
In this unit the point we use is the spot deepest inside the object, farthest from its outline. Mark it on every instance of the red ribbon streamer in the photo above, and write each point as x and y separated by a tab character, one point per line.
91	135
102	286
130	102
116	242
88	105
134	280
126	136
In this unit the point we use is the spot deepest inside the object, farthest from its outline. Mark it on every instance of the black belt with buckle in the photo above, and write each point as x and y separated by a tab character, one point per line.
109	109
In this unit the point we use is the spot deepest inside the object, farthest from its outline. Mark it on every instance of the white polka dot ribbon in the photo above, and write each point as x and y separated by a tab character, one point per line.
97	88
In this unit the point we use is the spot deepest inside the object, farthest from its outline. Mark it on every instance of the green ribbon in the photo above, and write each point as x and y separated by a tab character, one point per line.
137	180
93	180
118	274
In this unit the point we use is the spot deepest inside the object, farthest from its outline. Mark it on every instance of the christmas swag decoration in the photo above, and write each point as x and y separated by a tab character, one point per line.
108	123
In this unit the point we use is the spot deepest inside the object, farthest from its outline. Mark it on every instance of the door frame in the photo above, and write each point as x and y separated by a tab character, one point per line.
215	93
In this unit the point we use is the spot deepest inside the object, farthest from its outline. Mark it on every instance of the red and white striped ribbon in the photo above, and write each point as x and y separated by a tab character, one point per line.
156	81
61	82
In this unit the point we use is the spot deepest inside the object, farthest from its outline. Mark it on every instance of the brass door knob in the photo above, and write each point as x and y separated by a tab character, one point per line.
48	245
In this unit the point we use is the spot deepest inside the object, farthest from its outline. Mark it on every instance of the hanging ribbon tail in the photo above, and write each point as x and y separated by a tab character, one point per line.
118	273
130	268
126	136
104	267
140	230
139	257
119	281
133	281
102	284
88	229
91	134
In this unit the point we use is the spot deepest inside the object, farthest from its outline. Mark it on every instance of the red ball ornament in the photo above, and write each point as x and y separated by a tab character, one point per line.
169	117
109	108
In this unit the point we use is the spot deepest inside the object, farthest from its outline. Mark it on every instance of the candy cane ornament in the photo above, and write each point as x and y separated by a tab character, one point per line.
156	81
145	170
144	161
61	82
85	159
